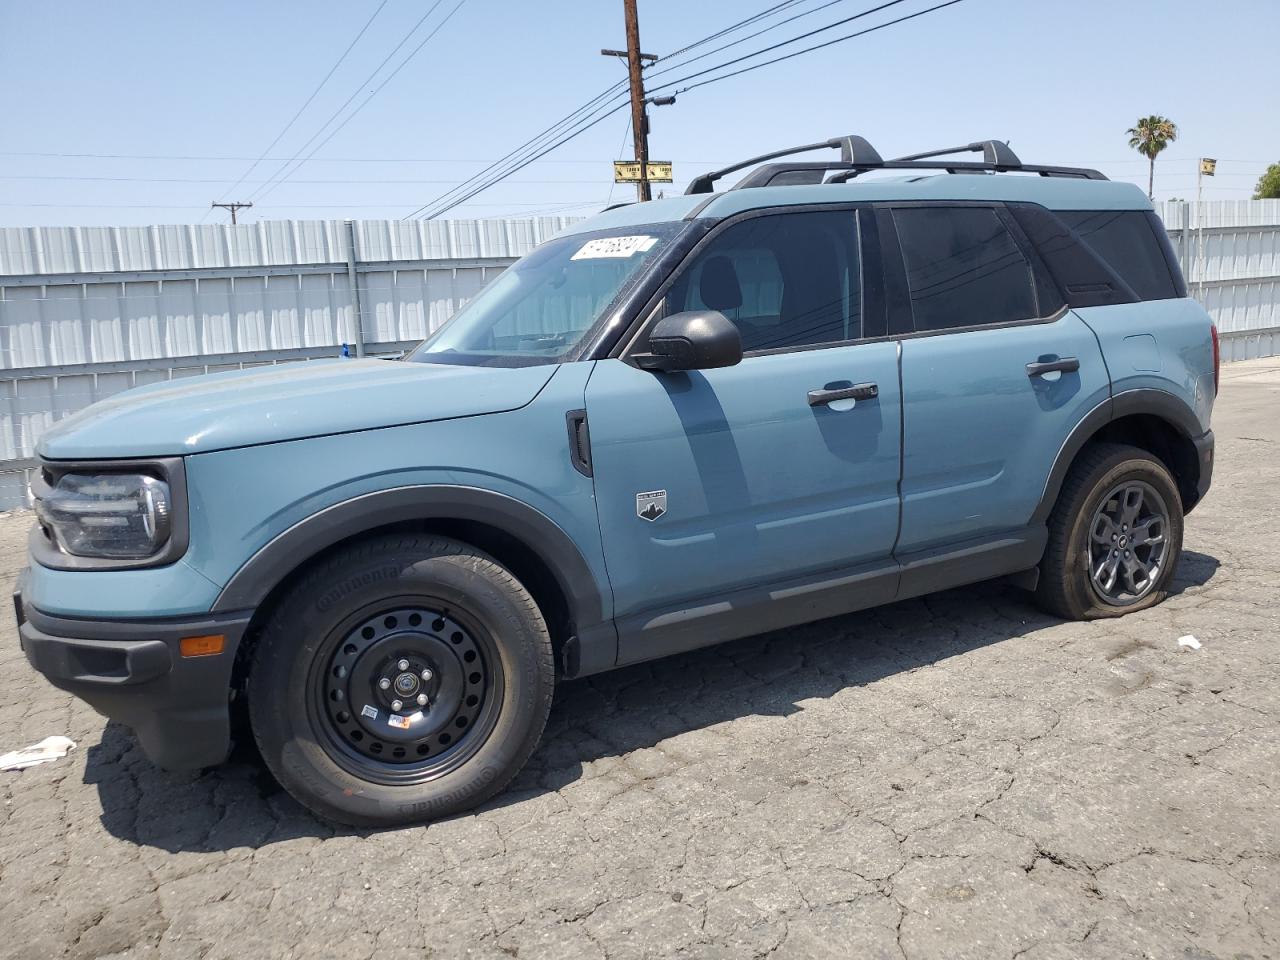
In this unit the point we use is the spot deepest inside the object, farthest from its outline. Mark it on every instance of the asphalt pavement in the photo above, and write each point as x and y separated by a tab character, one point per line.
954	776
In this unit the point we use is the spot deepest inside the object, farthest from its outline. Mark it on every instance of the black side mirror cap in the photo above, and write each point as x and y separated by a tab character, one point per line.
693	340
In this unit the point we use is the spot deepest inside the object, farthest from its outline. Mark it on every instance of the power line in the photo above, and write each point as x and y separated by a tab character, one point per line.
531	144
563	123
220	180
771	27
294	119
221	158
502	175
732	27
373	93
626	130
437	209
797	53
285	172
443	203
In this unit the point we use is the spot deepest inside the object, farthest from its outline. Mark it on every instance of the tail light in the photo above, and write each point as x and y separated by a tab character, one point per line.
1217	356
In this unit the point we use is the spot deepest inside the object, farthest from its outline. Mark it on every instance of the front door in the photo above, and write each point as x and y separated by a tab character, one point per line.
720	490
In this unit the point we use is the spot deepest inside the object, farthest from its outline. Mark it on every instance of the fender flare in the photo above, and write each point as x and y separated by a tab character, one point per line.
1157	403
266	569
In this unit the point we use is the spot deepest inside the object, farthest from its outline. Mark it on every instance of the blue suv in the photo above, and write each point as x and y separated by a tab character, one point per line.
680	422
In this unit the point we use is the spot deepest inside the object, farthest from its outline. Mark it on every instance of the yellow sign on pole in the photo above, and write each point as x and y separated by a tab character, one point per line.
628	171
1207	166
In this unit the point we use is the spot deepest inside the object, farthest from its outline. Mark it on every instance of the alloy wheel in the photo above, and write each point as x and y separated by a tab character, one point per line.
1127	543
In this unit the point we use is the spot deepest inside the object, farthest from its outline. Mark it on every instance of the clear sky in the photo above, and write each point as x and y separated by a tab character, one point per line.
174	100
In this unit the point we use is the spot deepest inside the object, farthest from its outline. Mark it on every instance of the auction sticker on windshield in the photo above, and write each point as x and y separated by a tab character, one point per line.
609	247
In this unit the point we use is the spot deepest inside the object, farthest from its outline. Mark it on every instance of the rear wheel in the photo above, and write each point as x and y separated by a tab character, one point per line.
1115	536
407	678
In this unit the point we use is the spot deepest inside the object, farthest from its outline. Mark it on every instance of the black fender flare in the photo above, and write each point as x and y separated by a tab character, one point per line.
1158	403
266	569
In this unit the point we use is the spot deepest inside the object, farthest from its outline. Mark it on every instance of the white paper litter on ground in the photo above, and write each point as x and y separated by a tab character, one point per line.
1189	641
50	748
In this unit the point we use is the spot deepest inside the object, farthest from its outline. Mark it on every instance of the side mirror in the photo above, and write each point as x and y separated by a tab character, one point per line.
693	340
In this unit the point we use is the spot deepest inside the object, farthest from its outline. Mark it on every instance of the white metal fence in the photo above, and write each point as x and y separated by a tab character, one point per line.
86	312
1230	253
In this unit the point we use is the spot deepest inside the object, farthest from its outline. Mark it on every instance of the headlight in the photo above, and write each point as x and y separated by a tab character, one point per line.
127	516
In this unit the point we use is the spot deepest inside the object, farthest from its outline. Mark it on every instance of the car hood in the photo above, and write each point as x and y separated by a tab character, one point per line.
288	402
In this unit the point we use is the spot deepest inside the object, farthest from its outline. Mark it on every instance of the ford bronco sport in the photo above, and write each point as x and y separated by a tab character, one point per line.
677	423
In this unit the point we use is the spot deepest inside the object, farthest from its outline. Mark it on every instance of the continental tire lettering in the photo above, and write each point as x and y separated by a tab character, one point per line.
479	785
352	584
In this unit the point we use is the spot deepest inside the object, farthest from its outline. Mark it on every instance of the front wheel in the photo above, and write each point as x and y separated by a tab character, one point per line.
405	679
1115	536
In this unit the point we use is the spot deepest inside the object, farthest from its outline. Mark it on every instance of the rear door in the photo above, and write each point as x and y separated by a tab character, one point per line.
996	372
715	486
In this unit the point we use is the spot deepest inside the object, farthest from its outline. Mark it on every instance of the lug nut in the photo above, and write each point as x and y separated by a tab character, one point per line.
422	699
426	675
396	705
384	684
403	665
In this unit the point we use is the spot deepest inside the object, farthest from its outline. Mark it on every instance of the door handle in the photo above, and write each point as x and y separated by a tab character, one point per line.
1063	365
859	391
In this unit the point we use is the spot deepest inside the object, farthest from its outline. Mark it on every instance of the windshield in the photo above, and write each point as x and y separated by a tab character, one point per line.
542	306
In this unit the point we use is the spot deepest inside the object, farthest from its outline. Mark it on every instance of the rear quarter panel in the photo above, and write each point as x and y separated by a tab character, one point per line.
1158	344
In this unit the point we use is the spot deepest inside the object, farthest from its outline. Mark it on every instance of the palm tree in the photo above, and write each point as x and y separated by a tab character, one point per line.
1149	136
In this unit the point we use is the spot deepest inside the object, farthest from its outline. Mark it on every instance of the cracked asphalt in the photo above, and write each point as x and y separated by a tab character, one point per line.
955	776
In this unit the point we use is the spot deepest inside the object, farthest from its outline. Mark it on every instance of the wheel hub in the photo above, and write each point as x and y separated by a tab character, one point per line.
405	685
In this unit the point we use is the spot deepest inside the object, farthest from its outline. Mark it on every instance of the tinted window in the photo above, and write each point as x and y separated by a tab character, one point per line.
785	280
1125	240
963	268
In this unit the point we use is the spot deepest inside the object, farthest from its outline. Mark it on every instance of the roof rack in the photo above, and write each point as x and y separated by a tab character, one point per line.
857	156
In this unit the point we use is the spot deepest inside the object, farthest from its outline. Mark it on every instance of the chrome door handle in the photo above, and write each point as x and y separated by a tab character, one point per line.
859	391
1063	365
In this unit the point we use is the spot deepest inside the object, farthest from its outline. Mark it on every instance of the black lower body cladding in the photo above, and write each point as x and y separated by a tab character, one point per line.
134	673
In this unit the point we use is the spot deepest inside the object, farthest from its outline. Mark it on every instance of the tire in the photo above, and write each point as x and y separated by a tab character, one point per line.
1099	492
382	623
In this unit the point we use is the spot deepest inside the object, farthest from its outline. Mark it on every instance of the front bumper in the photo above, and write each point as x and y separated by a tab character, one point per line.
133	672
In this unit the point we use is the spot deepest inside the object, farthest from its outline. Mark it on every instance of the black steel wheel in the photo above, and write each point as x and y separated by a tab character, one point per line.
1115	535
403	679
406	693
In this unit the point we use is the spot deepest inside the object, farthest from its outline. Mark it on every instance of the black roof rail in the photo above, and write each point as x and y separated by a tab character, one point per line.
993	152
858	156
853	149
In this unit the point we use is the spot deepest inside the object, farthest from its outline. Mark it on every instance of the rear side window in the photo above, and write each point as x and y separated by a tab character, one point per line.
786	280
964	268
1126	241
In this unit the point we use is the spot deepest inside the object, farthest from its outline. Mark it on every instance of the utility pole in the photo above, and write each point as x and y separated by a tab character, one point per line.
233	207
639	116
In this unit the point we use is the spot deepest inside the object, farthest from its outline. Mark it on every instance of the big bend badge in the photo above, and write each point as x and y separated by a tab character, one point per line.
650	506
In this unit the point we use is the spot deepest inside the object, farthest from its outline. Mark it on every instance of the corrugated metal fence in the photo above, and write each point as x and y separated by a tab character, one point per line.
1230	253
88	311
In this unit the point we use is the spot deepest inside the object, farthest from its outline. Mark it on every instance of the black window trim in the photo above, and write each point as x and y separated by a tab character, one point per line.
633	341
1040	277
